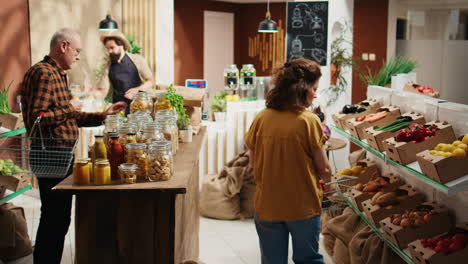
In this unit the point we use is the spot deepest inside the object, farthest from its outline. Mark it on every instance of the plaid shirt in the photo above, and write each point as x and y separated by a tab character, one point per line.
45	89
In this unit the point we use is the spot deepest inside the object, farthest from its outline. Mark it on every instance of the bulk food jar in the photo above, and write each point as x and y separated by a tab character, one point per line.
162	103
169	130
247	77
116	155
124	131
102	172
136	153
99	148
151	131
81	172
160	167
142	101
128	172
231	77
111	125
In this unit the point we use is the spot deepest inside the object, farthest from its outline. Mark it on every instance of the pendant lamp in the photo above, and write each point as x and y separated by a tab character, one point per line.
108	24
268	25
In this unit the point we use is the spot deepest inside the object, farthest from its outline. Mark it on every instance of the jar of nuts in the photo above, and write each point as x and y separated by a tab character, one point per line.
160	166
128	172
125	129
169	129
142	101
136	153
151	132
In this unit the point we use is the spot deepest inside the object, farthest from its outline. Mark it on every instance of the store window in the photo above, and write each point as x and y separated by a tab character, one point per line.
436	36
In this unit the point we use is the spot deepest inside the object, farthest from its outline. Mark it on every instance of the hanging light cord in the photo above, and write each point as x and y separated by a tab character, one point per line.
268	9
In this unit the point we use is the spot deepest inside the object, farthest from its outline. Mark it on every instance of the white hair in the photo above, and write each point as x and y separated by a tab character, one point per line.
63	34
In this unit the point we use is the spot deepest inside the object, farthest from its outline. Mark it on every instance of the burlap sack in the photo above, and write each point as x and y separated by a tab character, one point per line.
341	255
356	156
357	244
13	221
375	251
247	193
328	239
219	197
343	227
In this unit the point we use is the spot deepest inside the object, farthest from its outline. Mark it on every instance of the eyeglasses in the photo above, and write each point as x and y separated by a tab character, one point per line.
77	51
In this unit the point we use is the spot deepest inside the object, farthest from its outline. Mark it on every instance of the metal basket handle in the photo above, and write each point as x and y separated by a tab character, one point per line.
37	125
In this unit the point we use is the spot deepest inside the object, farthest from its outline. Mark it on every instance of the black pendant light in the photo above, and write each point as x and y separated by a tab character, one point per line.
267	25
108	24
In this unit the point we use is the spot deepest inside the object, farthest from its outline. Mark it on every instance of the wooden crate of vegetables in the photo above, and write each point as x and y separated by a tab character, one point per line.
361	192
12	176
407	142
421	89
349	111
446	162
376	135
365	170
386	203
424	221
383	116
450	248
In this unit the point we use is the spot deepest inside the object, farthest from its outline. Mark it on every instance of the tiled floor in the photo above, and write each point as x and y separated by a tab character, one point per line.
221	242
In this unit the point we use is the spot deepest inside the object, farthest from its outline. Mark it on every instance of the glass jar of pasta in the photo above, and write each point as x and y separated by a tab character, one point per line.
169	130
124	130
162	103
136	153
160	167
142	101
151	131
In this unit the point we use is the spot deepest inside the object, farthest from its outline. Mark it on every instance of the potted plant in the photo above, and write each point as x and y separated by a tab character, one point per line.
185	129
383	77
218	106
8	119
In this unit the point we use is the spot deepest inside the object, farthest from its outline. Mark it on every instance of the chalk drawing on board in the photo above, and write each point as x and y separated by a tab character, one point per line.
296	49
297	18
319	55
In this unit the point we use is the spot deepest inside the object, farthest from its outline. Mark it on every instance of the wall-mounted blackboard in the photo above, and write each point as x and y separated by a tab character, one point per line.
307	28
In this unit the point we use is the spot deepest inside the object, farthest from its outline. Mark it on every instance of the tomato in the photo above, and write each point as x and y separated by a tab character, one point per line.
455	246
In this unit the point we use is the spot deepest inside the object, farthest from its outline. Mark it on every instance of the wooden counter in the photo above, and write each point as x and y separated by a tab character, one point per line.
148	222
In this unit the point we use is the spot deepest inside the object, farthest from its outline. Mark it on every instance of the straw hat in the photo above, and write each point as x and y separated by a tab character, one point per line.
117	35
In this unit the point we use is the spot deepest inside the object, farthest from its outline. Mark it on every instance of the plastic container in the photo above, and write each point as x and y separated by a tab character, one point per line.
102	172
141	102
136	153
231	77
161	162
128	172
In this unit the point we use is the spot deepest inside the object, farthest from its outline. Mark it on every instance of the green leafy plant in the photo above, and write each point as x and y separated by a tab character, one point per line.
218	104
4	95
134	48
177	101
183	123
395	65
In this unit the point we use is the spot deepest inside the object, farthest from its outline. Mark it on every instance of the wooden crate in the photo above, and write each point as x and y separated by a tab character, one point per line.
358	197
371	172
442	169
375	138
377	213
340	118
2	191
12	121
15	182
421	255
400	236
357	128
405	152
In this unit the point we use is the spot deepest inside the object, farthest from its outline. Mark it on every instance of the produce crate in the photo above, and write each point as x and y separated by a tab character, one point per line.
375	138
16	181
358	197
421	255
2	191
405	152
371	171
357	128
340	118
11	121
440	168
376	213
402	236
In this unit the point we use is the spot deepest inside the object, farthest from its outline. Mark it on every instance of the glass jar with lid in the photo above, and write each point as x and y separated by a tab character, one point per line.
170	131
151	131
116	155
123	132
161	163
247	77
81	172
142	101
99	148
162	103
102	172
128	172
231	77
136	153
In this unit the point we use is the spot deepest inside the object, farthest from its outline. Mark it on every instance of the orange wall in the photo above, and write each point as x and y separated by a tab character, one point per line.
14	41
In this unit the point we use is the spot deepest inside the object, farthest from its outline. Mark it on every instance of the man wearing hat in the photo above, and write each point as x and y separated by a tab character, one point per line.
128	73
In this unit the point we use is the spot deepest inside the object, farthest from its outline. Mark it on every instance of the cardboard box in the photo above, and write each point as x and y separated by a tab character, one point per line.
12	121
376	213
421	255
15	182
358	197
340	118
375	138
401	236
405	152
440	168
357	128
371	172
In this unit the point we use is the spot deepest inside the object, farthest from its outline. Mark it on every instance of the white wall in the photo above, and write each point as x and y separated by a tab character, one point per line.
165	41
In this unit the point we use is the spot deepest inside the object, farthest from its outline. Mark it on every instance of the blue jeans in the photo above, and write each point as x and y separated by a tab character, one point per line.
274	240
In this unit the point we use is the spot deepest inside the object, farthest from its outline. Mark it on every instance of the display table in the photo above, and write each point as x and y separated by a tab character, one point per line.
148	222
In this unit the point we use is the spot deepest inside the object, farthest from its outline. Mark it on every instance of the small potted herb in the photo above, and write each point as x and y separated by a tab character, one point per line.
185	129
218	106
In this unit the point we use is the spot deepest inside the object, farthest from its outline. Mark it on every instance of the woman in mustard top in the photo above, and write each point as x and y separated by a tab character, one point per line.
287	154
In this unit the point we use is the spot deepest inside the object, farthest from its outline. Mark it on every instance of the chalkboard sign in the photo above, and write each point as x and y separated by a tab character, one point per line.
307	28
